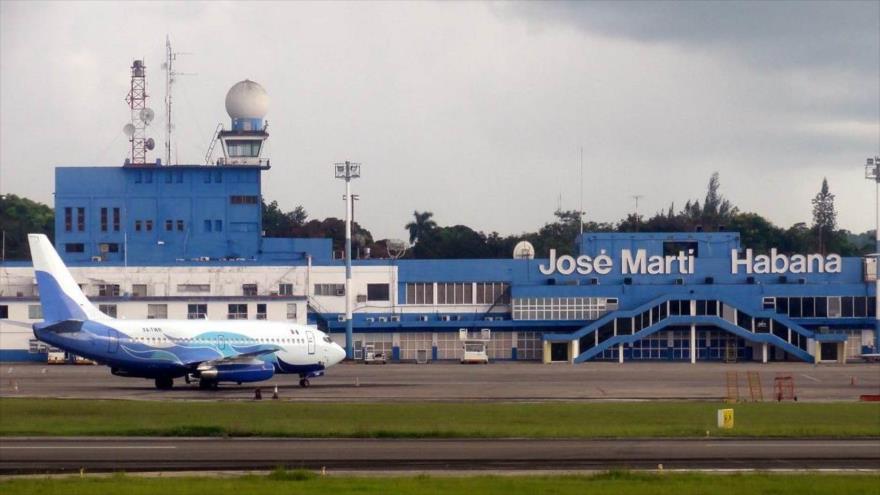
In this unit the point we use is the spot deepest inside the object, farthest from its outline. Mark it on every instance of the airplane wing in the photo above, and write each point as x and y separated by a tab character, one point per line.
238	354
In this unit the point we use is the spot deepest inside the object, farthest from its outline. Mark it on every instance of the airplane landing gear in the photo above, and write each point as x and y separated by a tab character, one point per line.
304	383
207	384
164	383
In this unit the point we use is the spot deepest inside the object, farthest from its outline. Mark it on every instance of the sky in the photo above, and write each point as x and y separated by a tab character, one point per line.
475	111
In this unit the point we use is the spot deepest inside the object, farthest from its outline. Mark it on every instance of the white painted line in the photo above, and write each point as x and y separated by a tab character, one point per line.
808	377
84	447
793	444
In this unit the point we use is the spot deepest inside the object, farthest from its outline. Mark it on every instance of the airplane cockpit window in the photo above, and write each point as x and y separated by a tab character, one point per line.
327	339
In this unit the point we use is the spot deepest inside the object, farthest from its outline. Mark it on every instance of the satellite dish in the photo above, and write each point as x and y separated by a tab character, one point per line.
128	129
524	251
149	144
147	115
396	248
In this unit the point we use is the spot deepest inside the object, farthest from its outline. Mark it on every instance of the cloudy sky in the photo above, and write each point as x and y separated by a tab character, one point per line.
475	111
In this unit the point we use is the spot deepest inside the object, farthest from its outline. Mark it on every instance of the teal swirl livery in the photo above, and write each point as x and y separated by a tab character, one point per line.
211	352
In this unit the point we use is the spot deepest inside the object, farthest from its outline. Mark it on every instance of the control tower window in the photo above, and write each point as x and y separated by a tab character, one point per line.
243	148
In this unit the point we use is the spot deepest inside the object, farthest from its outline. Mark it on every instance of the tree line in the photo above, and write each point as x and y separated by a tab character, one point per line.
428	240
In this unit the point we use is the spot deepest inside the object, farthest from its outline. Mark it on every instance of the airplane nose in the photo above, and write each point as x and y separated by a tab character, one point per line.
338	353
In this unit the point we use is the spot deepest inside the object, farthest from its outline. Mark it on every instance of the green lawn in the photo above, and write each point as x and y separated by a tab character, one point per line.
616	483
409	420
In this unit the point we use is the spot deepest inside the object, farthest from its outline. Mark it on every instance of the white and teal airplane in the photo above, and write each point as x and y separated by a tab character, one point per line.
210	351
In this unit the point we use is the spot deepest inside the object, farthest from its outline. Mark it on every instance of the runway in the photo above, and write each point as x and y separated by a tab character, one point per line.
56	455
499	381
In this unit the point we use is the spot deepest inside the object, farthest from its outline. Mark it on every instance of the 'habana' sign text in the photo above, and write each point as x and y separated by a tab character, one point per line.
639	263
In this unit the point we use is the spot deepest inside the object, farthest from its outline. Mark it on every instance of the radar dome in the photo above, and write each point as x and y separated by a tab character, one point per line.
247	100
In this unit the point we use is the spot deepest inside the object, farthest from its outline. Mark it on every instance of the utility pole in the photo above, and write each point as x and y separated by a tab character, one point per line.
872	172
348	170
637	197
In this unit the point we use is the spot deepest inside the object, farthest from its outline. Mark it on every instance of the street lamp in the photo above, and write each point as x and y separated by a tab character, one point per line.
872	172
348	170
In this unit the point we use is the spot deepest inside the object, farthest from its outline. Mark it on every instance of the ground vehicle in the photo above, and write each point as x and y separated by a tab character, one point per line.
474	352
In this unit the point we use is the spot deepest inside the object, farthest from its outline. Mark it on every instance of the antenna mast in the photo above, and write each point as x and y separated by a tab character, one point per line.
170	74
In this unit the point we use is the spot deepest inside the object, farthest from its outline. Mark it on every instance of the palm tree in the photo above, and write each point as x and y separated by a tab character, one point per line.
420	226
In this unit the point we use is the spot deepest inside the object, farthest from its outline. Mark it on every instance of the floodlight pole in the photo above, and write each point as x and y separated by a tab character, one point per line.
872	172
348	171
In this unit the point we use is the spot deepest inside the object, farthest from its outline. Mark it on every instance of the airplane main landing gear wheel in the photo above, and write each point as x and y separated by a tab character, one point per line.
164	383
207	385
304	383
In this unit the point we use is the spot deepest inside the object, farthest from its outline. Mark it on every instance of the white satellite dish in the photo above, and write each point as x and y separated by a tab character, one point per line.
149	144
147	115
128	129
524	251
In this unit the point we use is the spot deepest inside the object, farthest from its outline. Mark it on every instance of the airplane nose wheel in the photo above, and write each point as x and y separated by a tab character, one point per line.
304	383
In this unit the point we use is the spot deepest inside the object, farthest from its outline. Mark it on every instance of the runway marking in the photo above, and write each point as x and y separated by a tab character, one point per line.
789	445
808	377
81	447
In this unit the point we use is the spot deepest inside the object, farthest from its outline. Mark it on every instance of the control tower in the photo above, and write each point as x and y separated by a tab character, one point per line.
247	104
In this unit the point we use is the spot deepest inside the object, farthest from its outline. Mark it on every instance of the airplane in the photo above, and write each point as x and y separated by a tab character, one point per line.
210	351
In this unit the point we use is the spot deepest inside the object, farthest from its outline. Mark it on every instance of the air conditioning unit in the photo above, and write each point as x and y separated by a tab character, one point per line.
361	298
423	317
383	319
445	318
340	318
369	319
489	318
458	318
340	292
97	258
395	318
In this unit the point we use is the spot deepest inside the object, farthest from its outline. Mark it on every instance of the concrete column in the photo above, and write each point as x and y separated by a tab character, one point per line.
573	350
620	353
545	356
764	347
693	344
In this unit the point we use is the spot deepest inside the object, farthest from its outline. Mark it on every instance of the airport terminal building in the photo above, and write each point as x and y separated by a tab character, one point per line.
147	240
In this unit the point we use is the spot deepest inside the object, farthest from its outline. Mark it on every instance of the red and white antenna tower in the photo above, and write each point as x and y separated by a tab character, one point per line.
141	115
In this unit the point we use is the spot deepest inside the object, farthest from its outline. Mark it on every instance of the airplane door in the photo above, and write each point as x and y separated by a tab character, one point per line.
221	342
112	341
310	337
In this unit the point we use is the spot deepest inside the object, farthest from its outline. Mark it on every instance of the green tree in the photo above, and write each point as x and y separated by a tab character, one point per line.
824	215
278	223
20	217
421	225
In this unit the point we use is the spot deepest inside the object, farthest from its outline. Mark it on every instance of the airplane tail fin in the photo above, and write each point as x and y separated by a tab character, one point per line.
60	296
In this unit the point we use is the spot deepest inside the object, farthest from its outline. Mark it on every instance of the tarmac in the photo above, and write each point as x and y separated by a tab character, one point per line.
54	455
443	381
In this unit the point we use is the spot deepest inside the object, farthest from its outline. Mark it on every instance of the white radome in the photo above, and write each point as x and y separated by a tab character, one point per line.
247	100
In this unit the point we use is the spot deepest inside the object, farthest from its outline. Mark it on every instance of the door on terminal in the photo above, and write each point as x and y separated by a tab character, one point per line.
559	351
829	351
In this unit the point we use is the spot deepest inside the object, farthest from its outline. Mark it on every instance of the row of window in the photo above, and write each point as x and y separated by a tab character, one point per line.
244	200
562	308
823	307
140	290
375	292
198	311
458	293
105	219
80	219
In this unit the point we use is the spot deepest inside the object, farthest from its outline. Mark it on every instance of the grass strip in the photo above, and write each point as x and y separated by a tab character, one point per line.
51	417
304	482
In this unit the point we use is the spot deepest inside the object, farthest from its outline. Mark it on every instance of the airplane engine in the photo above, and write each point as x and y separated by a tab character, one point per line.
237	372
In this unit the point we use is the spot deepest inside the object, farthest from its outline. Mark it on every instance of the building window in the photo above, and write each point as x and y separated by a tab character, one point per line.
180	225
420	293
81	219
237	312
569	308
137	225
169	225
103	219
148	176
455	293
68	219
109	247
208	226
115	219
377	292
108	290
35	312
196	311
168	177
138	177
4	311
493	293
285	289
139	290
249	289
74	247
261	311
194	288
148	225
218	225
108	309
243	200
291	311
329	289
157	311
